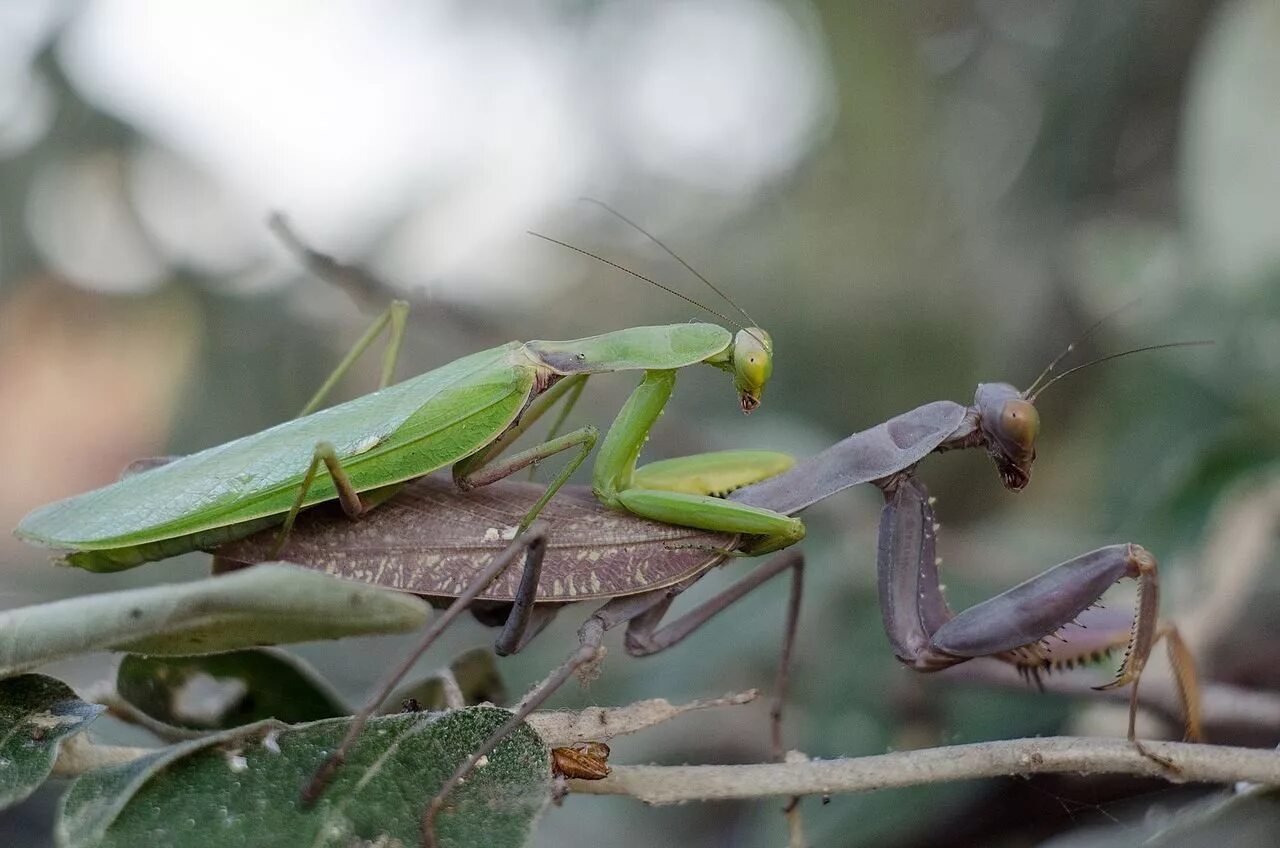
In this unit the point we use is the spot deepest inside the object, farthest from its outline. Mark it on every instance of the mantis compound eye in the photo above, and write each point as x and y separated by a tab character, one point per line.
1014	444
1020	424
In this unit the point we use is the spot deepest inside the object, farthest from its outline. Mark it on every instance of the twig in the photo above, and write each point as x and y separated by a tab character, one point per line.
1196	763
556	727
600	724
372	294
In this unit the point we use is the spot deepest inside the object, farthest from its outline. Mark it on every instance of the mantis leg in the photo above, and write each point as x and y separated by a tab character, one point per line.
584	439
348	497
482	468
642	613
645	637
532	544
614	479
572	394
1104	631
1018	625
523	609
393	320
589	650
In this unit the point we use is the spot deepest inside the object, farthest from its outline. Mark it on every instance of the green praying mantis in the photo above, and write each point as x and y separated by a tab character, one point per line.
465	414
468	413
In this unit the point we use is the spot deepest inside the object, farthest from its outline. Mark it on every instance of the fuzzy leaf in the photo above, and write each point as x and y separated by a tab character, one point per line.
36	714
259	606
221	691
241	788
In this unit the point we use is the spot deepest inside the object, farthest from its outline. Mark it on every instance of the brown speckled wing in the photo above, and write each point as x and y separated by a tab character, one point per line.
432	539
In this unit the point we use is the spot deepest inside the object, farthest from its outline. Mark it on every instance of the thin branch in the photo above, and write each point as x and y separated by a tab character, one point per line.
600	724
556	727
370	293
1195	763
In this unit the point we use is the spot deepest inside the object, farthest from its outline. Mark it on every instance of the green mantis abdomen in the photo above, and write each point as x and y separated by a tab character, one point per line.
406	430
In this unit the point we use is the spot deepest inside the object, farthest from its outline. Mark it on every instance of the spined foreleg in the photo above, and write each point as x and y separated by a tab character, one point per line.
1019	625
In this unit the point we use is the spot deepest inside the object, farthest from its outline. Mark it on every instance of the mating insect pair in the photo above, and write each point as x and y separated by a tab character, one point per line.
468	413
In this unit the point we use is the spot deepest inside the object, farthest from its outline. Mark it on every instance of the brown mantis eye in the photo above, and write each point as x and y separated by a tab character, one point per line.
1020	423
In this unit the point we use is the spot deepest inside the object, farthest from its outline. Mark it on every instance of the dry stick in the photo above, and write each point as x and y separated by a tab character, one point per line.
1234	555
600	724
79	754
1050	755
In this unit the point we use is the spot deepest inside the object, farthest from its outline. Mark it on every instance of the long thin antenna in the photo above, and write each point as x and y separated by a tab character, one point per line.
638	276
614	212
1070	371
1030	390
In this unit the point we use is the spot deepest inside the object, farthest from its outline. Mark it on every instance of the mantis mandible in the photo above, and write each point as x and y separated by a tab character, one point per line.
443	545
464	414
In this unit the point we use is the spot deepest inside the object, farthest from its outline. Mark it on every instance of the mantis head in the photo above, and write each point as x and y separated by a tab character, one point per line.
1008	418
752	365
1009	423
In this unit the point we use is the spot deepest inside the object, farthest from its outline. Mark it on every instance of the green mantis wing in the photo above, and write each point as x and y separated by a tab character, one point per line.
393	435
398	433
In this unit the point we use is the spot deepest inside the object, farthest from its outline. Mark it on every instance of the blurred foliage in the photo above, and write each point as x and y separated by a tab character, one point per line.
972	186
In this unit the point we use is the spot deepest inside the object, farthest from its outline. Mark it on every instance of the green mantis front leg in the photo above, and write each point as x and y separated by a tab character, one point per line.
617	483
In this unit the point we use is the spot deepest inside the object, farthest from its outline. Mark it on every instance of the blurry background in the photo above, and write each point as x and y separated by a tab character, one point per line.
912	198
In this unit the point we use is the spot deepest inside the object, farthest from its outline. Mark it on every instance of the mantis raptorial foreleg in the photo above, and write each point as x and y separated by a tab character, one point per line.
1016	626
615	479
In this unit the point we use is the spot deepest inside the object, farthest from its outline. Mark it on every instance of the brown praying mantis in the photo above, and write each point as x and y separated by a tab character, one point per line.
457	549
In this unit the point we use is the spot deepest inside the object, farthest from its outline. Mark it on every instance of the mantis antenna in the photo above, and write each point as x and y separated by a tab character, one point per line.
614	212
638	276
1030	390
1070	371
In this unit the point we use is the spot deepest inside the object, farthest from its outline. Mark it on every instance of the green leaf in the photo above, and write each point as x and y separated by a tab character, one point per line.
263	605
221	691
36	714
241	788
476	675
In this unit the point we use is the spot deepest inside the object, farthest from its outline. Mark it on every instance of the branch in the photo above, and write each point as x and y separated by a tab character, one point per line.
1195	763
79	754
598	724
372	294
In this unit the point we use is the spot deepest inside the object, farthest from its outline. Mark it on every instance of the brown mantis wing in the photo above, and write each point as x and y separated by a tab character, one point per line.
433	540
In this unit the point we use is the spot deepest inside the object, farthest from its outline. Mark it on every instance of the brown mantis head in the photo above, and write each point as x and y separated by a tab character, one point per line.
1008	420
1009	424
